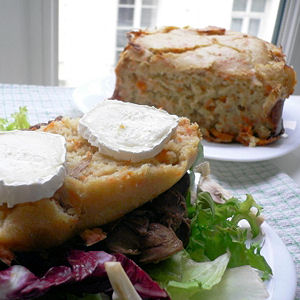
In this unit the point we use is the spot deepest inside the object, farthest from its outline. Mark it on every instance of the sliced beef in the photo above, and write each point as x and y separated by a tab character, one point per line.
170	209
156	230
159	243
123	240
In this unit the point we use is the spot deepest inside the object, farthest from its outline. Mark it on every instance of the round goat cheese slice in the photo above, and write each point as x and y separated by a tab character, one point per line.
32	165
127	131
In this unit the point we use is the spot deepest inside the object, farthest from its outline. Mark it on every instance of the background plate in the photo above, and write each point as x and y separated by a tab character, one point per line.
89	95
287	143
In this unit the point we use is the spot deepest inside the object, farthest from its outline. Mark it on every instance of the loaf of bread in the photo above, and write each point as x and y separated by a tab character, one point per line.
97	188
233	85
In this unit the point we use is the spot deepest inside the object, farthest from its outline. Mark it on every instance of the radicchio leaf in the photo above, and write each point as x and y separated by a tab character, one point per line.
84	272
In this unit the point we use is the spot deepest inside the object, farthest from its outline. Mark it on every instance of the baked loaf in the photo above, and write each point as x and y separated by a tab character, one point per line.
233	85
96	190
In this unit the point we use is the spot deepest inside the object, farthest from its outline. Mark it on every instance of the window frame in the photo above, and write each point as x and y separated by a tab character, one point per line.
288	29
247	15
287	34
137	18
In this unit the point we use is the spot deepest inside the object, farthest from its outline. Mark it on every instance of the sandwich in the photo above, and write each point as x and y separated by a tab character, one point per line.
79	195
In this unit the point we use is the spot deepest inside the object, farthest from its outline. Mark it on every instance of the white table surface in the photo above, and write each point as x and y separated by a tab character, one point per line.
290	164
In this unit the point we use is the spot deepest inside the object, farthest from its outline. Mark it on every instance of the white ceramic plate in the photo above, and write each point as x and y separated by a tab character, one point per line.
89	95
284	281
287	143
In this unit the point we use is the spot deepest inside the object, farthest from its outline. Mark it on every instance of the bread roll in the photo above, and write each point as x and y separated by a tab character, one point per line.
97	188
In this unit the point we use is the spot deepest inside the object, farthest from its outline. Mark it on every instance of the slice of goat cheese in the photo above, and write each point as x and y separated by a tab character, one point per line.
127	131
32	165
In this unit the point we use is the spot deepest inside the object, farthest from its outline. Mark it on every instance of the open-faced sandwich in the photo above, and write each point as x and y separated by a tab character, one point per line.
84	200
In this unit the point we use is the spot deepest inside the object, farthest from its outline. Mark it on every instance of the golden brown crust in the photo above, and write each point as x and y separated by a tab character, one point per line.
225	81
35	225
96	190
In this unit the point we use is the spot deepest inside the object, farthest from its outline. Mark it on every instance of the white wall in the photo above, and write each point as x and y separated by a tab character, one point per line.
88	40
199	13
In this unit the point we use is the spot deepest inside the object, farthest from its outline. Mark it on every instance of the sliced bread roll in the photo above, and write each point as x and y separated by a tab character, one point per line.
101	189
97	189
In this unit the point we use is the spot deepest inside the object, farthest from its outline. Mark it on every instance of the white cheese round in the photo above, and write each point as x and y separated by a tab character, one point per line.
32	165
127	131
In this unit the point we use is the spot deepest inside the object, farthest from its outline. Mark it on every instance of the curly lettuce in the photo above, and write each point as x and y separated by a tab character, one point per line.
215	230
20	121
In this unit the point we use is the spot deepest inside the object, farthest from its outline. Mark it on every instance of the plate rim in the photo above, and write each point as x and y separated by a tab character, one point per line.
282	285
291	106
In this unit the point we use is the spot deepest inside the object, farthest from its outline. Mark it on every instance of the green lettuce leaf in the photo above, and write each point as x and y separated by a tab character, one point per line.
241	283
20	121
182	277
215	230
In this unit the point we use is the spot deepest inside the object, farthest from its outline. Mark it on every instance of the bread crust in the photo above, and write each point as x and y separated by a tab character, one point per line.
96	190
232	84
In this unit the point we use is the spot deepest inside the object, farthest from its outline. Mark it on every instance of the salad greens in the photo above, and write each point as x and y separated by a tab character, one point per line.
183	277
215	230
237	283
20	121
216	263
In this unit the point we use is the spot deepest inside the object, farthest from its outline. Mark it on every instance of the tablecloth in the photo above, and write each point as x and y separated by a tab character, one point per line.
274	190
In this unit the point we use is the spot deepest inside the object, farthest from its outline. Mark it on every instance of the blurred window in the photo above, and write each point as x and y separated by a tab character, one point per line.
239	5
254	17
133	14
253	26
236	24
258	5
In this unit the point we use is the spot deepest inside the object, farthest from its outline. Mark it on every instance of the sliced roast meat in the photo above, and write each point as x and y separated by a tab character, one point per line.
154	231
170	209
159	244
123	240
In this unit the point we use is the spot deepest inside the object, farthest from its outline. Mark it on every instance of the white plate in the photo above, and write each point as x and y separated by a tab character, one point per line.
287	143
284	281
89	95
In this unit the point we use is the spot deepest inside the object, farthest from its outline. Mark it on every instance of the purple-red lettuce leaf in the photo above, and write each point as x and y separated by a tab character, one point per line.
84	272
